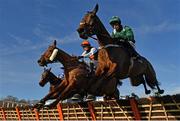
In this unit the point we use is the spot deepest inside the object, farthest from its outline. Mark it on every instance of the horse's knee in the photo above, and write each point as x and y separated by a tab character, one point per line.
98	72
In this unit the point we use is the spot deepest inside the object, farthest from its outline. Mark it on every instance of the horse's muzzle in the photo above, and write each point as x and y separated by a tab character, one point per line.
41	84
82	33
41	63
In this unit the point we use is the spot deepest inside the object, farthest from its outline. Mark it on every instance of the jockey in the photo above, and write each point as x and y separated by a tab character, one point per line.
89	52
123	35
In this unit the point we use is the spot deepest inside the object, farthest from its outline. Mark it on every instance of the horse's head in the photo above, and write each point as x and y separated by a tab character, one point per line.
88	25
49	55
45	77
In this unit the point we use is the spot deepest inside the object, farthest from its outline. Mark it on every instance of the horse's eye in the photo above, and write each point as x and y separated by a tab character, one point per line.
91	23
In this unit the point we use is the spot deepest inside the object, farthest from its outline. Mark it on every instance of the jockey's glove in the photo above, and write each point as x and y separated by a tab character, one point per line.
79	57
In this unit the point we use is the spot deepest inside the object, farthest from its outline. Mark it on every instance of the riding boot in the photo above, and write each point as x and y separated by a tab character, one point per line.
91	68
133	52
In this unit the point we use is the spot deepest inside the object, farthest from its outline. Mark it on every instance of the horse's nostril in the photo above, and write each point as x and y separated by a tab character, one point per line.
39	61
80	30
41	84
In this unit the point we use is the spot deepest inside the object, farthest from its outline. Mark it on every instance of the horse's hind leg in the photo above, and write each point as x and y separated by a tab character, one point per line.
135	81
145	87
160	91
150	76
141	77
57	90
66	93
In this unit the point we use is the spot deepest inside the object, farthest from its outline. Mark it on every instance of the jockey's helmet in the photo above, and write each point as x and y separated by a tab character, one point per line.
115	19
85	43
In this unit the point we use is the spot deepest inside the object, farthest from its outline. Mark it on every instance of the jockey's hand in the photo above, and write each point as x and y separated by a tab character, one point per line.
79	57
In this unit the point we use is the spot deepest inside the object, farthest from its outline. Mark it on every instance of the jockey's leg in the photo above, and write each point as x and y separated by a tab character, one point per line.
91	68
91	97
132	50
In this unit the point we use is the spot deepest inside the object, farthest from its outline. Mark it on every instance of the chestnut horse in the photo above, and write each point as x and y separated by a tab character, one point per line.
76	73
114	60
76	76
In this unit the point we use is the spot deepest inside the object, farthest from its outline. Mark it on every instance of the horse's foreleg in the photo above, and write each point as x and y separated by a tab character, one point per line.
42	102
57	90
140	77
113	96
65	94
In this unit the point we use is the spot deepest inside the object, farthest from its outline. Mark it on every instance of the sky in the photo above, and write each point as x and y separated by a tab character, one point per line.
28	27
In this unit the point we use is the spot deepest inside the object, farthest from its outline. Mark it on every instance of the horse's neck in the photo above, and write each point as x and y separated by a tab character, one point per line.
54	80
102	34
63	58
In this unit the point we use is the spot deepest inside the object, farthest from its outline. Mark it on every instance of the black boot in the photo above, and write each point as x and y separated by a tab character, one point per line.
133	52
91	68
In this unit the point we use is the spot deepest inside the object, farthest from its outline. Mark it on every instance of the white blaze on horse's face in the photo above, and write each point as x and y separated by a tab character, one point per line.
53	55
82	23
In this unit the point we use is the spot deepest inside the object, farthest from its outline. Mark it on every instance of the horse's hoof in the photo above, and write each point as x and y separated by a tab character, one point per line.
42	102
38	108
161	91
52	105
90	97
148	92
46	107
76	97
32	108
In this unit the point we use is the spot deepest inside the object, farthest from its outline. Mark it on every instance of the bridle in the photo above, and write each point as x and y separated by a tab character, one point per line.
89	29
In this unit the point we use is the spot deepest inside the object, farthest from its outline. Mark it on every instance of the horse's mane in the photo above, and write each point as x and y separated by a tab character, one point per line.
75	58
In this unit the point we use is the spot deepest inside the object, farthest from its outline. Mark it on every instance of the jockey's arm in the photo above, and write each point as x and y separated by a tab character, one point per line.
92	52
129	35
126	35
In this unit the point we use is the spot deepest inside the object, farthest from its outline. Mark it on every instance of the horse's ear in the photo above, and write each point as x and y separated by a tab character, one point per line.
44	69
54	43
95	9
49	69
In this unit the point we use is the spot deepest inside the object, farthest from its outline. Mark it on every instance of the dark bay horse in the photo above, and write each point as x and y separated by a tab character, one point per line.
54	81
113	59
76	77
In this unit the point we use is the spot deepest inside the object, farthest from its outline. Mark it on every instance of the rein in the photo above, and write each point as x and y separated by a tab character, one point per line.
106	46
93	38
101	35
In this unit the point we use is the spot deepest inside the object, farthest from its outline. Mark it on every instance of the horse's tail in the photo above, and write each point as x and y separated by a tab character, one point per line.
150	74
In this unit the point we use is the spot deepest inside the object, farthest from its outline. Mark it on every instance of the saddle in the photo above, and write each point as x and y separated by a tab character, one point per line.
129	48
